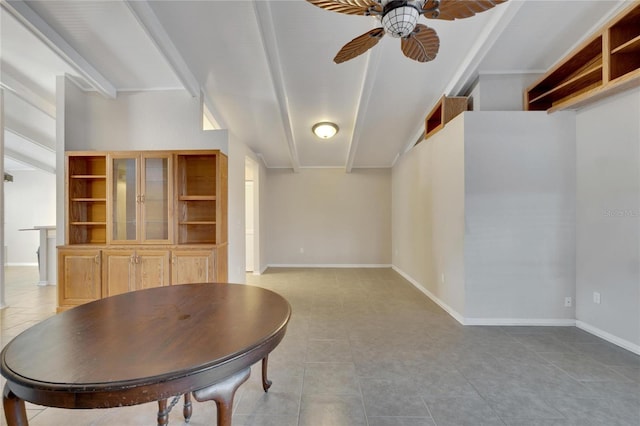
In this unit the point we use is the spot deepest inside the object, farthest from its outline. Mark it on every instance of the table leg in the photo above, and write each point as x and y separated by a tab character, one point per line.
14	410
222	393
266	383
187	409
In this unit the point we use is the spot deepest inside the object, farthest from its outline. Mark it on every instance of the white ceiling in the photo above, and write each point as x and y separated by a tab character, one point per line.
266	67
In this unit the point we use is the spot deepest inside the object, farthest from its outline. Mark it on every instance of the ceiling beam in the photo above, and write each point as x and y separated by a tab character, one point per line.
262	11
41	29
370	71
148	20
29	135
21	158
466	73
24	92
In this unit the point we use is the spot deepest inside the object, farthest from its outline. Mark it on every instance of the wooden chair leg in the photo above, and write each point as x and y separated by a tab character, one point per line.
222	393
187	410
14	409
163	413
266	383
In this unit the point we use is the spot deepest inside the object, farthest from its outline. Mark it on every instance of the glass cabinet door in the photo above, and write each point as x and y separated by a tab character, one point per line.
155	198
125	199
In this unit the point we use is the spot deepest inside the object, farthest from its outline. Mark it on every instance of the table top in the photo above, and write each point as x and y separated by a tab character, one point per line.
139	339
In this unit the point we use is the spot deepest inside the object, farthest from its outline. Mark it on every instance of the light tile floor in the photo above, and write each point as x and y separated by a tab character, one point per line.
365	348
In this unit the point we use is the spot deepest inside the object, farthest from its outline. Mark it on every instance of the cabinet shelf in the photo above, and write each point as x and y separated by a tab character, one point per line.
201	197
605	64
584	80
625	45
88	177
86	209
197	198
632	46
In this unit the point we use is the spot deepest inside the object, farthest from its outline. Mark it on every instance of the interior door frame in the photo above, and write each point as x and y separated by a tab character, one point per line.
3	303
252	173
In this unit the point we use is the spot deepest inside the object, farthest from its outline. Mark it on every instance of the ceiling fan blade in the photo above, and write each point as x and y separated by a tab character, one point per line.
422	44
359	45
459	9
350	7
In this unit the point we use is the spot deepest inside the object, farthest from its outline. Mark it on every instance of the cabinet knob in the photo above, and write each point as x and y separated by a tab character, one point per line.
96	259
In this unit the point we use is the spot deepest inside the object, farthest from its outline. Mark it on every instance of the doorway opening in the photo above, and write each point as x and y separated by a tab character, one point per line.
252	216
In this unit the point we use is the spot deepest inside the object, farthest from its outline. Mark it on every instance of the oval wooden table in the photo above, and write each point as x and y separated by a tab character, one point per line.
143	346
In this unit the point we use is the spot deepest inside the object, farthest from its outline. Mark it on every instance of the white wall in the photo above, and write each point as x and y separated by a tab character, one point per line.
335	218
30	200
2	203
489	202
428	216
262	224
137	121
520	216
500	92
608	217
238	151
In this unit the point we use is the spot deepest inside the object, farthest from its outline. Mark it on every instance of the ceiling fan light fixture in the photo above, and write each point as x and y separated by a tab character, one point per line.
400	17
325	129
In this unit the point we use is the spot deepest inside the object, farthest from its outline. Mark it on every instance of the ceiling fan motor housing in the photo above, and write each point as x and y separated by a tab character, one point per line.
399	17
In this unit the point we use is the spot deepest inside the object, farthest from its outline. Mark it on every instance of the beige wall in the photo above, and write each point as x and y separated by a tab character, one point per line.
428	217
333	217
519	216
483	217
608	218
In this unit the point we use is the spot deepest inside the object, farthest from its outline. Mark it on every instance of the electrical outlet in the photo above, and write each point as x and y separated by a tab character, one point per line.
442	278
596	297
301	250
568	302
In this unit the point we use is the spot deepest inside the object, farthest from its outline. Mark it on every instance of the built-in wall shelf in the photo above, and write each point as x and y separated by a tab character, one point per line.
605	64
445	110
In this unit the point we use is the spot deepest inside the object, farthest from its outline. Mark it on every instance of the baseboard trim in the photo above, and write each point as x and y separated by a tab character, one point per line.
551	322
538	322
329	265
448	309
21	264
630	346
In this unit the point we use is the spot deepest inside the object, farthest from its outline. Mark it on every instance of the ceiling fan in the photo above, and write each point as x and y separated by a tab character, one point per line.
399	19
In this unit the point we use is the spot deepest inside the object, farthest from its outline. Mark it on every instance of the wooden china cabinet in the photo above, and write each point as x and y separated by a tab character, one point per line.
141	219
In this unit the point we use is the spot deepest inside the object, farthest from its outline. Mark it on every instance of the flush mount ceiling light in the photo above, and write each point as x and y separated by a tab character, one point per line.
325	130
